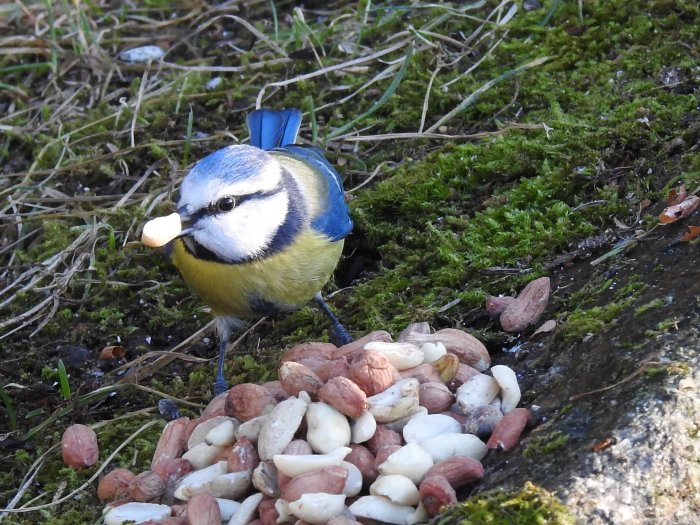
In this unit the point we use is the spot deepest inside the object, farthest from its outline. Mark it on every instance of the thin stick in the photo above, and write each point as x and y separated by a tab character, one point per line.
627	378
368	179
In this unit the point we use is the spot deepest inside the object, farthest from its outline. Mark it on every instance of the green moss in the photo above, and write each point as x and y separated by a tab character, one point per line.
651	305
531	505
543	445
653	372
591	320
662	327
55	236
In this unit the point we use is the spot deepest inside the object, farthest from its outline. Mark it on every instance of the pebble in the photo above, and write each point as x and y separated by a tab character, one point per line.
142	54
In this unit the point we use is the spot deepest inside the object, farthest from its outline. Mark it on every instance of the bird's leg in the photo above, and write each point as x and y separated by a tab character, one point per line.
339	335
223	330
220	384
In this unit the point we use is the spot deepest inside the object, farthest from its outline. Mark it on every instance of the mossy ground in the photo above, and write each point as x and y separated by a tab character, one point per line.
91	147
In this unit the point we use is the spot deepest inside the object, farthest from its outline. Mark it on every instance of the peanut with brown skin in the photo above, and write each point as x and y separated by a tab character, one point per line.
344	395
296	378
436	492
79	446
115	484
247	400
528	307
372	372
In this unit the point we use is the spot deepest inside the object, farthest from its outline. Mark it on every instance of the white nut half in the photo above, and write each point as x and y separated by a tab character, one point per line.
227	507
363	427
395	402
203	455
381	509
399	489
478	390
510	390
317	507
420	428
454	444
231	486
244	514
251	428
328	429
281	425
223	434
411	461
401	355
199	434
161	230
199	480
293	465
136	513
433	351
353	483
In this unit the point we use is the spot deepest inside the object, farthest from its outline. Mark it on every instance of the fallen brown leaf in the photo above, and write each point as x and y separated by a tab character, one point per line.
677	195
547	326
691	233
680	211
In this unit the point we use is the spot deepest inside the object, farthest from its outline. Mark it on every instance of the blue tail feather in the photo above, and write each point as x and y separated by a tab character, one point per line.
270	128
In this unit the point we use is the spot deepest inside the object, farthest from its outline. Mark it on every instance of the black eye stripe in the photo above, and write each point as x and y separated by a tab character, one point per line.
213	209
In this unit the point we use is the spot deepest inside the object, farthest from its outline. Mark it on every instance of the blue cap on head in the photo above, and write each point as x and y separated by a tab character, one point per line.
230	164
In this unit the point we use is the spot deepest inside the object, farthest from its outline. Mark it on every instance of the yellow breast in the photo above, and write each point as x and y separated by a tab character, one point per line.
286	280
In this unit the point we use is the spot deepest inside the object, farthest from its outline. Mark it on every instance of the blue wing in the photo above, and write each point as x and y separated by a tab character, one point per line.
334	219
271	128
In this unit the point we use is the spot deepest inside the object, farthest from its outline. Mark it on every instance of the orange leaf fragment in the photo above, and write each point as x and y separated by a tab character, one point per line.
691	233
602	445
111	352
677	195
680	211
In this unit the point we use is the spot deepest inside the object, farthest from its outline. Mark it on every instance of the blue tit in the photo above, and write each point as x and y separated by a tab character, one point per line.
259	228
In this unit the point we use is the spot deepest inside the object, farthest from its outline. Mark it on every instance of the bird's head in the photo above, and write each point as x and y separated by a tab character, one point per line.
233	203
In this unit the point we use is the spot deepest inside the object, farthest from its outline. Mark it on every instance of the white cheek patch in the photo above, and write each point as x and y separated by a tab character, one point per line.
246	231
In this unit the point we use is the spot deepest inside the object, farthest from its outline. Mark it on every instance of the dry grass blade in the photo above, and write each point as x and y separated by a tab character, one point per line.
471	99
435	136
328	69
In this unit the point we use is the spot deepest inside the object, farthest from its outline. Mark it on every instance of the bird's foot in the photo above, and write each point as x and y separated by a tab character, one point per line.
340	336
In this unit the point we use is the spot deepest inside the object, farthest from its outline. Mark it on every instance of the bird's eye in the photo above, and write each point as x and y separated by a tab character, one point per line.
226	204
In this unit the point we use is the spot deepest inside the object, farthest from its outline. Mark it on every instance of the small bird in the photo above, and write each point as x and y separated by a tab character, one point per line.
259	228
